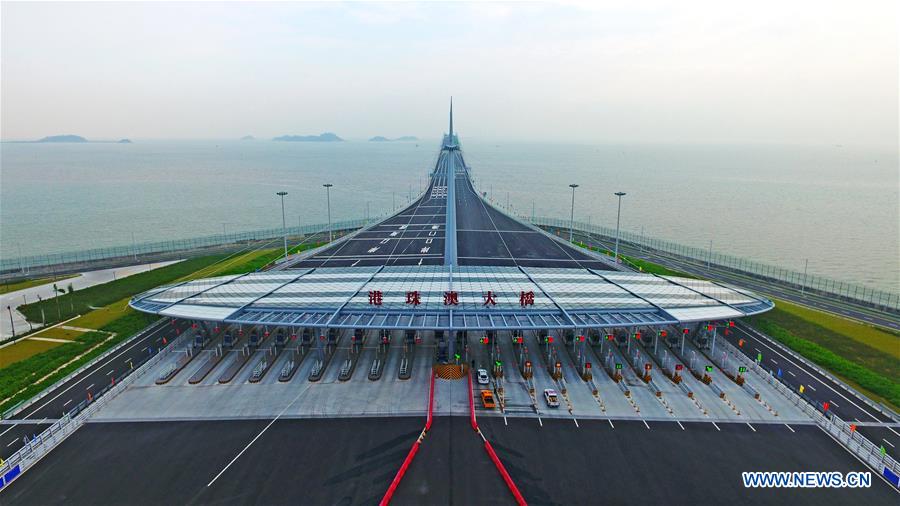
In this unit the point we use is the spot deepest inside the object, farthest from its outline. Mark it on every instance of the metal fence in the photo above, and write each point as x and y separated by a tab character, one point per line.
24	264
799	280
47	440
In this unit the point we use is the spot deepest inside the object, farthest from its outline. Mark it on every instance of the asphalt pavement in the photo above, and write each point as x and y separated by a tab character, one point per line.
69	394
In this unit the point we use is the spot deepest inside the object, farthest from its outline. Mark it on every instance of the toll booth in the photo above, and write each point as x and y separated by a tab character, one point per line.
228	340
200	340
280	338
442	352
306	337
254	339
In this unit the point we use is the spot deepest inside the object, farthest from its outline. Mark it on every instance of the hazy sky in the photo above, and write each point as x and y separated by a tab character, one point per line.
699	71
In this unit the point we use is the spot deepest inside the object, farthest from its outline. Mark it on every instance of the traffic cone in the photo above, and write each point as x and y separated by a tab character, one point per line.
165	342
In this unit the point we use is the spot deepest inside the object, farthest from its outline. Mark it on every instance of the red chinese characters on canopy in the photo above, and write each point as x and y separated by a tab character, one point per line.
490	298
413	298
451	298
375	297
526	298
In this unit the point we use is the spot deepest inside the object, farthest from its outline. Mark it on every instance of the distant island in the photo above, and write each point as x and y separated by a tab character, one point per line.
326	137
405	138
63	138
124	141
248	138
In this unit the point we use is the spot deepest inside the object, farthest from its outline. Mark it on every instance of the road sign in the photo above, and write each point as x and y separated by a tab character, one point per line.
709	368
678	367
742	369
618	366
759	359
648	366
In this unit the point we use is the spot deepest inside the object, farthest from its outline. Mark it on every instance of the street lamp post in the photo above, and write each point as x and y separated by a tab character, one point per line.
328	198
283	223
572	214
618	217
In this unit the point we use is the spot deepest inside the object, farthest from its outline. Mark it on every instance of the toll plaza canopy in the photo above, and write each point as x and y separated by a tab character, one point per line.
450	298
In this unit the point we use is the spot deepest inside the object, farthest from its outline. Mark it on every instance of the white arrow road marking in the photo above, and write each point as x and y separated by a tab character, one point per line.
425	249
373	250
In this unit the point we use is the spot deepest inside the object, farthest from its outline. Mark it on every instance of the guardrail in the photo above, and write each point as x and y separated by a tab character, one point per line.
24	264
798	280
842	431
13	411
51	437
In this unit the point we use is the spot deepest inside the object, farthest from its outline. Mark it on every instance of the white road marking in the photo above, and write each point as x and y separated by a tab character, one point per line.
89	386
576	424
428	241
425	249
716	426
403	227
384	241
645	424
540	422
751	427
812	388
789	427
67	402
393	234
11	442
792	374
373	250
610	423
110	372
356	262
420	261
888	442
774	361
504	421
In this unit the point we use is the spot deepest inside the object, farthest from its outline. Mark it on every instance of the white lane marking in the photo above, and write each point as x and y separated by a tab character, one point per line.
110	372
834	404
11	442
716	426
576	423
420	261
679	424
86	376
254	439
89	386
145	348
67	402
403	227
428	241
751	427
812	388
774	361
757	350
373	250
792	374
504	421
610	423
540	422
356	262
432	234
888	442
384	241
393	234
645	424
789	427
857	406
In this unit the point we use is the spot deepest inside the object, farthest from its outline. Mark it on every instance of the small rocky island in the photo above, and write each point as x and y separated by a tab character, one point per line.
248	138
63	138
124	141
325	137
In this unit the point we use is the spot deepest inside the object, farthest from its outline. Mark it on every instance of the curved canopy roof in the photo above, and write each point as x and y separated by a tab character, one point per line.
384	297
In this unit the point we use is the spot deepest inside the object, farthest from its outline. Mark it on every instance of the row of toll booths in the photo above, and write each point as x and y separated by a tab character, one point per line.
229	350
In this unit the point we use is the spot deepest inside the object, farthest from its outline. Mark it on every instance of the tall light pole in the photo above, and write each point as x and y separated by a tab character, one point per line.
572	214
328	197
283	223
618	217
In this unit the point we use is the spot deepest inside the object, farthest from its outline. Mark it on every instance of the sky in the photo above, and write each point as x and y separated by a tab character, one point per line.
794	72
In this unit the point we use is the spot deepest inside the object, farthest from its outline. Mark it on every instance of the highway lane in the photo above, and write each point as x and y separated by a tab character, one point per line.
69	394
626	462
413	236
486	236
842	402
288	461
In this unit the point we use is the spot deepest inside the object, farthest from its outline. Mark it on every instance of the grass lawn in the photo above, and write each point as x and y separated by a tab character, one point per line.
28	283
23	349
58	333
883	340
